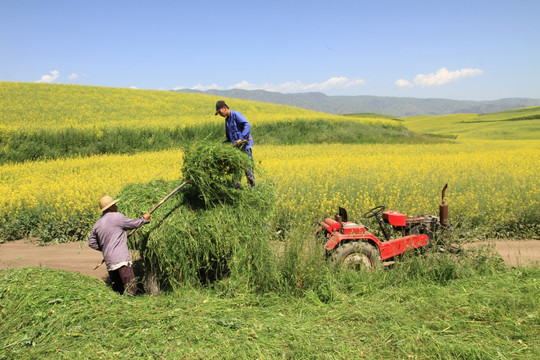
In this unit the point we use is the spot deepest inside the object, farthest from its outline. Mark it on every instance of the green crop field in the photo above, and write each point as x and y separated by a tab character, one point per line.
519	124
274	295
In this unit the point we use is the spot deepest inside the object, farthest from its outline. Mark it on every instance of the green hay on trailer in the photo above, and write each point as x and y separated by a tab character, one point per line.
209	231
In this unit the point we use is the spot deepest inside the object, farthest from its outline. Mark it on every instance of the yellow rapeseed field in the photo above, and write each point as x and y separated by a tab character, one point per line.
72	186
490	179
33	107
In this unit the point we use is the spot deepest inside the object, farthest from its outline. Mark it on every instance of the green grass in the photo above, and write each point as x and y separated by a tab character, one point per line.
374	116
529	113
518	124
44	144
322	131
486	312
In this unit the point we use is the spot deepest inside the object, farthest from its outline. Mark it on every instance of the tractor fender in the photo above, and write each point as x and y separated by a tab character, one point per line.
357	255
338	239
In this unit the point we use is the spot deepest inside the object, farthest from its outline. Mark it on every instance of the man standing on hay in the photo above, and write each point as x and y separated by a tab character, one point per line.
238	132
109	236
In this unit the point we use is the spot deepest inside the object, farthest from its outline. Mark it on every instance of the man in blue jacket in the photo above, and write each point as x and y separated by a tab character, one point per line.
238	132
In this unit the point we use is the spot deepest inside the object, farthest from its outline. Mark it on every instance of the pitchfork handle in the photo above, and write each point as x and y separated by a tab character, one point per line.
162	201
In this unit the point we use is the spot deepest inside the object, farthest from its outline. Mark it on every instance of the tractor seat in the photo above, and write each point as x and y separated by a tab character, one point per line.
352	228
394	218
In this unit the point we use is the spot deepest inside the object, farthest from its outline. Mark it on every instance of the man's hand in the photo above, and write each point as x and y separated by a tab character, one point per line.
147	216
239	143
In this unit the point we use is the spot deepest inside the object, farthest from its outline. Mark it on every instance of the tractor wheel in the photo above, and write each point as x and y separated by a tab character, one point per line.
357	255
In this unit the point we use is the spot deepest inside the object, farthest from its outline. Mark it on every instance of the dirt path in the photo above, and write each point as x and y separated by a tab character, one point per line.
80	258
76	257
514	253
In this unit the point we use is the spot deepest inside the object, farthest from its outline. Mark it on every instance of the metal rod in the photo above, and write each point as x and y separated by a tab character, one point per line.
162	201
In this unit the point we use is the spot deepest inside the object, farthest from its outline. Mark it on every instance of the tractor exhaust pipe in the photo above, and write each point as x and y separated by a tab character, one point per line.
443	208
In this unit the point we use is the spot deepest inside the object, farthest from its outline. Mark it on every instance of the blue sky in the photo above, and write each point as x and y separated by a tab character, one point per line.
463	50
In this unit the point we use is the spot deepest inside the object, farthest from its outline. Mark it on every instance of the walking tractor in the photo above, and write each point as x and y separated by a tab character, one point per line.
353	245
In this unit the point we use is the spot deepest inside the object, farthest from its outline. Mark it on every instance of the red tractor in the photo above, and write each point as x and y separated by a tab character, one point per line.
353	245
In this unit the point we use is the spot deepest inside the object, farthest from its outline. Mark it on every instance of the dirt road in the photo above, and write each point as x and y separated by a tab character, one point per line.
80	258
514	253
76	257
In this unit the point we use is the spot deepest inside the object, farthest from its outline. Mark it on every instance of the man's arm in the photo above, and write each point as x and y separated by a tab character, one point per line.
93	241
128	224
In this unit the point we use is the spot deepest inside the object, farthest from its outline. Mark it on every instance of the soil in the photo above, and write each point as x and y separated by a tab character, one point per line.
77	256
80	258
513	252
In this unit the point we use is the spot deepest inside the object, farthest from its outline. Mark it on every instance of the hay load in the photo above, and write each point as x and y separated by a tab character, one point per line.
214	171
208	232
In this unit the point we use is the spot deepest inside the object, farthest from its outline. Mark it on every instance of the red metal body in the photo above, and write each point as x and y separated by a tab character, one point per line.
394	218
402	233
349	231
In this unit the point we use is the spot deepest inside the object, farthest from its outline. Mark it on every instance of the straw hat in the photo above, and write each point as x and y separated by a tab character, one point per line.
106	202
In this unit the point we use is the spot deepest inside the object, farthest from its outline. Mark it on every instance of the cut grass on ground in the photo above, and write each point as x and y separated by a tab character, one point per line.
62	315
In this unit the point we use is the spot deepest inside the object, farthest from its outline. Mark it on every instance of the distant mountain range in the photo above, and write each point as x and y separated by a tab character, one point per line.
395	106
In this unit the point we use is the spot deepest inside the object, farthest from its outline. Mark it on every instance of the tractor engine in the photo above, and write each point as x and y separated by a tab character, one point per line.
410	224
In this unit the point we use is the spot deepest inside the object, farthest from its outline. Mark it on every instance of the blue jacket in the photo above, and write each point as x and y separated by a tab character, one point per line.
238	128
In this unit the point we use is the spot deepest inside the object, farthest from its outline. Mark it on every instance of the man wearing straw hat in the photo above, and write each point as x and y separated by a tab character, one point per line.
109	236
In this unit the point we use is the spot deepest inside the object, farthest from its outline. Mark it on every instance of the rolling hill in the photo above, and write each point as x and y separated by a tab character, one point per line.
518	124
396	106
51	121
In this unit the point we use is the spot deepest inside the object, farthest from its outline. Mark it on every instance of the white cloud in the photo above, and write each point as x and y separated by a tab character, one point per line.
290	86
203	88
403	83
297	86
441	77
49	78
198	87
73	76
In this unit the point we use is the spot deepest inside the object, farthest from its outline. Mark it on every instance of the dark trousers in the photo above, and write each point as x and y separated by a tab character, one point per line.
249	173
123	280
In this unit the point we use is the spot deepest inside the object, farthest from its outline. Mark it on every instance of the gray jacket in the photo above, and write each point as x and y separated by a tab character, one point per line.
109	236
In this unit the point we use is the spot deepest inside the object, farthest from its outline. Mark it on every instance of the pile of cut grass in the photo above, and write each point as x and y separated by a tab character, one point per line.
214	171
485	313
208	231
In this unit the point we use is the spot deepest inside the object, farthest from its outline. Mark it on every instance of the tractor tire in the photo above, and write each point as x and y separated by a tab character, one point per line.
357	255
